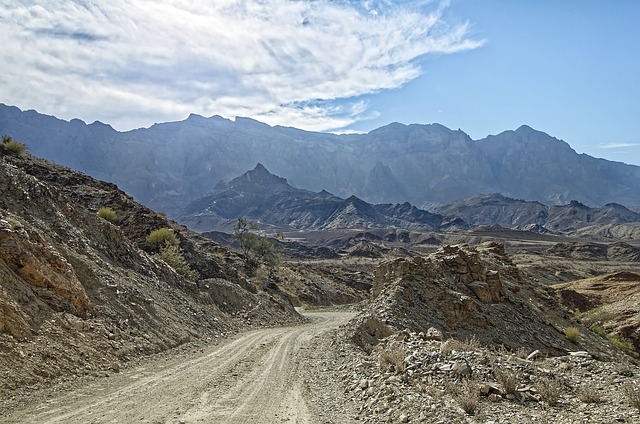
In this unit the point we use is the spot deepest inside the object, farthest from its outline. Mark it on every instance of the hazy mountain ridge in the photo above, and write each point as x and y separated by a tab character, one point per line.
495	209
171	164
269	199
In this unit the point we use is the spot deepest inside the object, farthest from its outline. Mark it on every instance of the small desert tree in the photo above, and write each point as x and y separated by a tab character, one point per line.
243	234
256	249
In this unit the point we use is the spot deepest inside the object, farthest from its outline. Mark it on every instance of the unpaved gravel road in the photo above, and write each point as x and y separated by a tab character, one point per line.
273	375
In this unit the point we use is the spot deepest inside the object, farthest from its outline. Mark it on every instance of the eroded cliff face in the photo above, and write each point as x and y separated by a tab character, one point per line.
83	296
466	292
42	267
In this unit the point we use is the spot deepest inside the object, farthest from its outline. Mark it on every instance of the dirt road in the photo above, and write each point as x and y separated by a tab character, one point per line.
272	375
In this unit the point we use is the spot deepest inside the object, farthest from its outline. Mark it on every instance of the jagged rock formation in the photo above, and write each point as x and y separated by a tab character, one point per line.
88	292
169	165
261	196
467	292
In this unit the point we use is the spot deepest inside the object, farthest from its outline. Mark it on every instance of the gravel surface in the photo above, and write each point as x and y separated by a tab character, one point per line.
270	375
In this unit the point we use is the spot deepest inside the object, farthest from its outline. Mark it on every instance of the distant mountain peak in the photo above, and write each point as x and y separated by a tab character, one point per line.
260	177
526	128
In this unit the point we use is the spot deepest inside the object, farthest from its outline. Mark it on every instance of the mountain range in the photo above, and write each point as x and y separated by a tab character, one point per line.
495	209
266	198
170	165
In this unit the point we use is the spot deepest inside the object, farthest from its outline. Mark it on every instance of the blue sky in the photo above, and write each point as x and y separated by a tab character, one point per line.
568	68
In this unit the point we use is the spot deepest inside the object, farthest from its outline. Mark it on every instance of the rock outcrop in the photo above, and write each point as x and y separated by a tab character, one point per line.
470	292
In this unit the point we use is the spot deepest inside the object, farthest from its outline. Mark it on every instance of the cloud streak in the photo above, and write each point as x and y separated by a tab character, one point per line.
617	145
298	63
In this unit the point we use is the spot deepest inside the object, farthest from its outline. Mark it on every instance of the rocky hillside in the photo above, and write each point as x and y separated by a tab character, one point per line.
261	196
169	165
421	377
608	304
619	251
461	335
470	292
495	209
80	295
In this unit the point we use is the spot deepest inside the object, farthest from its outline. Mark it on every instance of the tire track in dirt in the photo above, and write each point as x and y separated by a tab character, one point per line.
254	378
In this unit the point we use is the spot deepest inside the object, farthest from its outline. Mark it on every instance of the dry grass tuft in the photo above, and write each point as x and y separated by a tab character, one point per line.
392	358
632	393
468	345
549	390
590	394
467	395
508	379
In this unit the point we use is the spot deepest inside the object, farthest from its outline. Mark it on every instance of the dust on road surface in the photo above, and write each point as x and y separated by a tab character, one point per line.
270	375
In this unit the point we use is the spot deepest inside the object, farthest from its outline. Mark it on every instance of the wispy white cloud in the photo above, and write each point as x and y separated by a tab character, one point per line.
304	63
617	145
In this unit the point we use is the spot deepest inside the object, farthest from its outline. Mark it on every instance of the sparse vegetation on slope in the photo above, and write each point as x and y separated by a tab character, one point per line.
172	255
161	237
108	214
12	145
608	306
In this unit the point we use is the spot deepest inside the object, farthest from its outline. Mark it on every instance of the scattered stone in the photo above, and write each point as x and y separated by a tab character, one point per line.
534	355
433	334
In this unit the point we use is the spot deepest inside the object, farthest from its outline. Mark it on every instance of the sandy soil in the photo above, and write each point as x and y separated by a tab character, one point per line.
263	376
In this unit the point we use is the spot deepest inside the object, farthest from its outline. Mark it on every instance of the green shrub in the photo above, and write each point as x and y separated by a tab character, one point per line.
107	214
572	334
617	340
622	343
13	145
161	237
173	257
599	330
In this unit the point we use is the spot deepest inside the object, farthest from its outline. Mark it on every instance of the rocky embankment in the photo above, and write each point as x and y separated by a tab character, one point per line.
423	378
80	295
